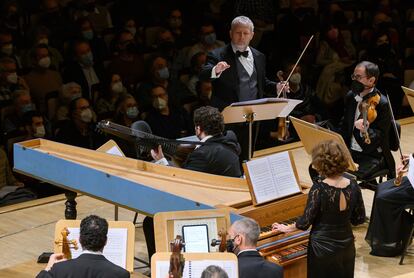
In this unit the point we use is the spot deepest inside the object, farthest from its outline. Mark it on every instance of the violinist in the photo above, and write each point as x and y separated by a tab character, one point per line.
390	223
367	122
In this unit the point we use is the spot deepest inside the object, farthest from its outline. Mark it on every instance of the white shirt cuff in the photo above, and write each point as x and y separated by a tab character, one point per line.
162	161
213	73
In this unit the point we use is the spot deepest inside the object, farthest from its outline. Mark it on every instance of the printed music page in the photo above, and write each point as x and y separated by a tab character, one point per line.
410	174
272	177
193	269
115	249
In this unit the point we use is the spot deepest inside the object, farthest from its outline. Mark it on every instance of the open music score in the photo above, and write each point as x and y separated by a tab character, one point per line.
272	177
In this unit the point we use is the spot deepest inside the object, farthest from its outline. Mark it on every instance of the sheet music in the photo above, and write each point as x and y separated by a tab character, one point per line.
196	239
193	269
115	249
410	174
272	177
115	151
258	101
289	107
210	222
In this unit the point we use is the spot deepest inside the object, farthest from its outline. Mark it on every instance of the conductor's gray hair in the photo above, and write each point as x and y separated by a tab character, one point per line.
249	228
242	20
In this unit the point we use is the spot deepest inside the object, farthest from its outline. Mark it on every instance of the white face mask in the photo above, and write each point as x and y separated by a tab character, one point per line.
117	87
12	78
43	41
44	62
159	103
133	30
86	115
40	131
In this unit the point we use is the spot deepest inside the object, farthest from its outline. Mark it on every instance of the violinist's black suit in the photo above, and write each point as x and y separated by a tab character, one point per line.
377	154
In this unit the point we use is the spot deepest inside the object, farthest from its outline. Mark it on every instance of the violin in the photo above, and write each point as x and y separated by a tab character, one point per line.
222	242
177	260
369	114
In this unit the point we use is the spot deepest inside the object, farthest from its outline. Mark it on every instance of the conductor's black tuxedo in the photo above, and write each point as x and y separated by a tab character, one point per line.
226	87
85	266
251	264
379	132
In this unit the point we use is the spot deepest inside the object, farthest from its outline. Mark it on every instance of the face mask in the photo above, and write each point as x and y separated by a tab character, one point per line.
44	62
87	59
175	22
117	87
75	96
7	49
43	41
133	30
296	78
86	115
210	38
231	247
132	112
357	87
164	73
40	131
88	35
12	78
159	103
27	108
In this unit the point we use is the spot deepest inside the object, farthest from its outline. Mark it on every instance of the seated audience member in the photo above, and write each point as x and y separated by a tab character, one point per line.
204	90
334	203
80	129
97	44
197	62
9	81
98	15
219	156
128	63
130	24
175	24
111	91
91	263
84	70
244	234
166	120
67	93
207	41
8	47
214	271
36	126
390	224
40	35
41	79
22	103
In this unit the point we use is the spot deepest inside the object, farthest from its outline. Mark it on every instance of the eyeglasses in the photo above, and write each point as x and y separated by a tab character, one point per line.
357	77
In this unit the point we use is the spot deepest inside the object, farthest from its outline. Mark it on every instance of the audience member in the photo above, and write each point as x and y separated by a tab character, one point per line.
197	62
126	110
8	47
36	126
98	15
85	71
67	93
97	44
14	121
91	263
166	120
111	92
42	80
129	64
9	81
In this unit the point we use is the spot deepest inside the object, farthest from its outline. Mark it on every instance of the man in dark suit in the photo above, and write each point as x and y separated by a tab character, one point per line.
244	234
85	70
376	155
93	237
219	155
238	73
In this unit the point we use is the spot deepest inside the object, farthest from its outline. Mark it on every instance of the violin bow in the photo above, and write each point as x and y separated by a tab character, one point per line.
294	67
395	128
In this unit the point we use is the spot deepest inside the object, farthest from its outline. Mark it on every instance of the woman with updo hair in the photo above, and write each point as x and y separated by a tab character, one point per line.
334	203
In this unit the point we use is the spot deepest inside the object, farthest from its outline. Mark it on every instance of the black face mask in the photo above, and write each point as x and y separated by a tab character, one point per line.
230	245
357	87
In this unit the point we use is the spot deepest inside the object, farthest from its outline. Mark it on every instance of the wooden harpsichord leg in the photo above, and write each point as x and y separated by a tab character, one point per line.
70	210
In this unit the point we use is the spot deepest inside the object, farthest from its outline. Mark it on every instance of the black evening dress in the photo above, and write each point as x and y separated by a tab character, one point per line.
390	223
331	250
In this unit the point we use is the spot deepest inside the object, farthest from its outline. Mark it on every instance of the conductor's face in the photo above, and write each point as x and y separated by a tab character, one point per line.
240	36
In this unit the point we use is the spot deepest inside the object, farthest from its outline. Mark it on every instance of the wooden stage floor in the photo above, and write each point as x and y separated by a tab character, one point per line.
26	230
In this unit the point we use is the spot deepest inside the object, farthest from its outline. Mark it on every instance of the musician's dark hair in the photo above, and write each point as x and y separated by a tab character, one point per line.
371	69
93	233
214	271
329	159
209	119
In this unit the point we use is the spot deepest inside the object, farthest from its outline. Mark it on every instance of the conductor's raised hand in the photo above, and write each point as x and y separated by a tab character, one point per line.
157	154
220	67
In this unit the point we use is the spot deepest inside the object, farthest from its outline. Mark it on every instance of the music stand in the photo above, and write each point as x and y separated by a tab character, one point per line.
409	93
258	110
